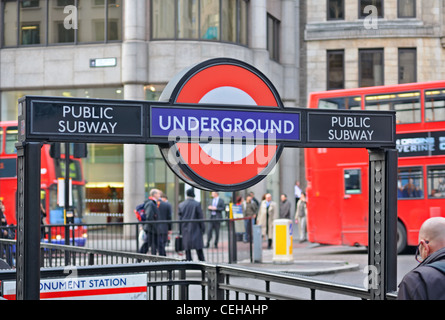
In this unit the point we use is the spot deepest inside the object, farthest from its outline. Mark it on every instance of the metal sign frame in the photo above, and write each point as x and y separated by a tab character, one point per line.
40	122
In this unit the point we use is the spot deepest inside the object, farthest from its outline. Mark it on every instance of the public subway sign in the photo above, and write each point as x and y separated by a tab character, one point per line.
220	124
350	127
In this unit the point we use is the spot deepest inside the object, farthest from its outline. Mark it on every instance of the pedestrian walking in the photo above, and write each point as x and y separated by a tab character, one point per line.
250	211
165	214
151	208
192	231
215	212
301	217
284	207
267	213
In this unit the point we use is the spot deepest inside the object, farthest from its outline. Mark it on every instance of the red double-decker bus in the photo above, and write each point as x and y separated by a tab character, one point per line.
338	178
52	169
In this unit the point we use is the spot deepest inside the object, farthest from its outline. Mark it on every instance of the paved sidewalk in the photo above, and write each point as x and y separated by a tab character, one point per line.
300	264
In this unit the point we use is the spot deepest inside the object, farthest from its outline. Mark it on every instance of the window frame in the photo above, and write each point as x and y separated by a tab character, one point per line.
399	16
242	36
45	24
360	68
401	50
426	108
328	69
362	15
428	170
329	18
352	191
273	44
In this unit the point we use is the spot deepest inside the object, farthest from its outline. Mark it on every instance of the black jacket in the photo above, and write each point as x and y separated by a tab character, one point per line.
151	209
424	282
165	214
191	231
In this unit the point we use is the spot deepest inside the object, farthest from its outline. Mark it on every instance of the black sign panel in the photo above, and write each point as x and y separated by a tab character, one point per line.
349	128
95	120
55	119
421	144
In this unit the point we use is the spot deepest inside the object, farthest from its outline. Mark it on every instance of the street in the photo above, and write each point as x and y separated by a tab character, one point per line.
322	257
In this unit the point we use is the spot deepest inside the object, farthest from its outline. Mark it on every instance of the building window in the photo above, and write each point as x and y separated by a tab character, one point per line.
406	8
336	9
32	15
376	5
212	20
371	71
407	65
42	22
273	37
336	69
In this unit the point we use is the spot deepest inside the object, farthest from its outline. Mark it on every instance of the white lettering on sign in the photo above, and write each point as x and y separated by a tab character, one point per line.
207	124
346	128
92	119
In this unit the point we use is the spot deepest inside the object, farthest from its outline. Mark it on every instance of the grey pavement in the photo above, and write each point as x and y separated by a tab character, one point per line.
304	261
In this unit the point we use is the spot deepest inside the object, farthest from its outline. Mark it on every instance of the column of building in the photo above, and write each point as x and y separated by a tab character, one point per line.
134	77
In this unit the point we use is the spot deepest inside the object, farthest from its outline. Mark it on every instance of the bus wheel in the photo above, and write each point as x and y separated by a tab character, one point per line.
401	237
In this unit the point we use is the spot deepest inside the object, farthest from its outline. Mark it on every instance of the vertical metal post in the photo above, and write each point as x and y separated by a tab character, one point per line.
28	221
391	219
382	257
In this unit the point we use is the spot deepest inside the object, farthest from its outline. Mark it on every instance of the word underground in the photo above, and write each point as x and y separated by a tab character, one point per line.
98	120
350	129
204	124
226	309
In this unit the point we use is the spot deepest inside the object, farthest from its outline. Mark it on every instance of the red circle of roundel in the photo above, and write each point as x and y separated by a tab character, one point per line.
193	91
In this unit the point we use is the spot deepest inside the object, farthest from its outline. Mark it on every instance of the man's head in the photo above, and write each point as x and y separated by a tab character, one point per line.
268	197
283	197
431	236
215	194
155	194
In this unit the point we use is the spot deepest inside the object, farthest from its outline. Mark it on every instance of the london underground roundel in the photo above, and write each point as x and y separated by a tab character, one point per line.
232	164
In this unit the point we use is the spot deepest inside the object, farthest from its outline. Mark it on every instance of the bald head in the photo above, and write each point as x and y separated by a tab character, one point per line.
433	230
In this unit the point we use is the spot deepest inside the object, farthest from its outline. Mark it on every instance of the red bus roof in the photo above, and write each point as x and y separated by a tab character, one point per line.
378	89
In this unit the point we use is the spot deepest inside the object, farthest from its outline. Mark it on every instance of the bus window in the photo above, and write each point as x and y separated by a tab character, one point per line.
348	103
410	184
435	105
352	181
436	182
11	140
407	105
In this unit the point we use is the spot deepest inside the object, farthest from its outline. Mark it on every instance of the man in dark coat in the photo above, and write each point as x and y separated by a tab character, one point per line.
151	208
165	214
427	280
191	231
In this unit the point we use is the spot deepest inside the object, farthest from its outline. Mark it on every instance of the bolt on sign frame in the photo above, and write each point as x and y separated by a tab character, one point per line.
217	107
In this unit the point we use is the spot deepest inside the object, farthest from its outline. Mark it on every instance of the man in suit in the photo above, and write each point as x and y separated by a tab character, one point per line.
215	211
165	214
